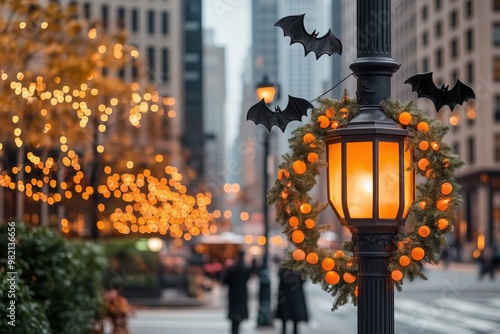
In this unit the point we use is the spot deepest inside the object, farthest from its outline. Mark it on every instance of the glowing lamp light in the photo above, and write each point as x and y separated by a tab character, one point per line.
265	90
369	183
155	244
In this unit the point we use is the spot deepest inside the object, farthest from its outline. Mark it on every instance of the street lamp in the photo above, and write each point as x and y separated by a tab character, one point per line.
370	187
265	90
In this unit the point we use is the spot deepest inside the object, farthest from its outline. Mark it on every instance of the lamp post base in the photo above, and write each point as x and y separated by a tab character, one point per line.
265	317
375	285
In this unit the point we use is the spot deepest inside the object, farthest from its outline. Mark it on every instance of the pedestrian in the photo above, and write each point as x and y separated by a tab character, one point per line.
236	277
291	299
486	264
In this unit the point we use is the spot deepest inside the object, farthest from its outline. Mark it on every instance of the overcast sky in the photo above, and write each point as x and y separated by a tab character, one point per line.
230	20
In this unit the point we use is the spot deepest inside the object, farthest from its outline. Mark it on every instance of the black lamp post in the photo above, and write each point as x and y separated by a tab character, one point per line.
265	90
370	187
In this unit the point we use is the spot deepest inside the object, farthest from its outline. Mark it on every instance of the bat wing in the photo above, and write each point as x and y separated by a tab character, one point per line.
459	94
424	86
295	109
293	26
261	114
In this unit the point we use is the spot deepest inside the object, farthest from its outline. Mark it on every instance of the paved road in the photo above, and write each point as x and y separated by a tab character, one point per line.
451	302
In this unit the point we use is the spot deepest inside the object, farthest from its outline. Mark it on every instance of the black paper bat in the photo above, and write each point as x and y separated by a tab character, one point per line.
425	87
295	109
293	26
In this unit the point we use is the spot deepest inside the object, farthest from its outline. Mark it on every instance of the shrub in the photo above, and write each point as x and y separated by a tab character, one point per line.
64	278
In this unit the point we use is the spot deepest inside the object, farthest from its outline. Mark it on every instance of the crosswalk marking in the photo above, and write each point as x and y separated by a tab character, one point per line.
448	316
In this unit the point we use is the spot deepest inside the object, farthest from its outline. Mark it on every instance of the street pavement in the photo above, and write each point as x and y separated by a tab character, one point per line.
452	301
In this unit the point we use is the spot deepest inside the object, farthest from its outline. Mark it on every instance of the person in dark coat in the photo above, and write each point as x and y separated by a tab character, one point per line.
236	277
291	299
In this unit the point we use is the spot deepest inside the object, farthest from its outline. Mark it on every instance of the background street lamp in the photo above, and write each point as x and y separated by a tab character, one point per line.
267	91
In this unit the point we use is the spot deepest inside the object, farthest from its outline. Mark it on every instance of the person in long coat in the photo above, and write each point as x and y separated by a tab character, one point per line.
291	299
236	277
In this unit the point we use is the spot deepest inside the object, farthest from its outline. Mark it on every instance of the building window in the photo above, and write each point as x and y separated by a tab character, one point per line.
456	148
121	72
496	34
135	70
454	77
438	29
120	20
470	148
497	146
496	5
496	69
453	19
437	4
469	9
470	73
104	17
425	65
135	20
439	58
151	63
164	23
87	10
151	22
454	48
497	108
469	40
425	38
164	65
425	13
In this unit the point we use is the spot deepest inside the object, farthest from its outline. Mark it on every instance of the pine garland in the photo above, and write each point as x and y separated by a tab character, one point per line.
429	218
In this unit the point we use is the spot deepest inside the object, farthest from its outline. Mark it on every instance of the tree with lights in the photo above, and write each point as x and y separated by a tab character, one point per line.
77	128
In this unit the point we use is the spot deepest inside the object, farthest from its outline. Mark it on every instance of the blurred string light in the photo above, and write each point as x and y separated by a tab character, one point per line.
151	204
157	205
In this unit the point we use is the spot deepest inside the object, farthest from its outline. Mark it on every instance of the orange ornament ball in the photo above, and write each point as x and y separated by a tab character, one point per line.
324	121
299	167
312	157
397	275
417	253
446	163
349	278
446	188
338	254
422	205
344	112
424	231
430	173
305	208
423	145
309	223
312	258
404	260
422	126
283	174
442	204
423	164
335	125
356	291
442	223
298	236
330	112
328	264
284	194
332	278
435	146
308	138
293	221
298	255
404	118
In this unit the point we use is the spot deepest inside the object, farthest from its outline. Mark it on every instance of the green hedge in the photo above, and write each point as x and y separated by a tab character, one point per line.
59	285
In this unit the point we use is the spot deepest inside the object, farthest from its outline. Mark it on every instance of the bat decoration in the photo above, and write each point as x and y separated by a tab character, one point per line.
295	109
293	26
425	87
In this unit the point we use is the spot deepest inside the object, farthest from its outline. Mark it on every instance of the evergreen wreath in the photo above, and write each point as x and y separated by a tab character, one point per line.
427	223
